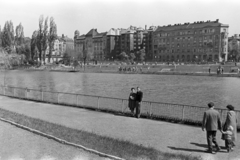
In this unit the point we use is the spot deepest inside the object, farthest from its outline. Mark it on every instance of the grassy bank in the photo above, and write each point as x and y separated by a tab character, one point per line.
120	148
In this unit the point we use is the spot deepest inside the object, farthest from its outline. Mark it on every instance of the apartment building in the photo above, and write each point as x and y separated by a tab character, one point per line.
92	45
129	40
234	47
191	42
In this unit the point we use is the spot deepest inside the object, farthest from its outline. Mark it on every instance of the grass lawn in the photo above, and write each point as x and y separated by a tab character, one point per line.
116	147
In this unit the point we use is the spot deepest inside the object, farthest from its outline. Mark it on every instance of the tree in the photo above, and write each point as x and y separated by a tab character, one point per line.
123	56
8	36
132	57
142	54
66	59
39	37
0	37
33	45
19	38
45	39
52	37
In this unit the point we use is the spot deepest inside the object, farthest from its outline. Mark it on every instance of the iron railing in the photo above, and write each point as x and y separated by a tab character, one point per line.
178	112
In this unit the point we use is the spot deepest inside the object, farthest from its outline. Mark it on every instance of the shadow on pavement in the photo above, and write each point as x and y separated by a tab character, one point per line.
205	145
186	149
200	145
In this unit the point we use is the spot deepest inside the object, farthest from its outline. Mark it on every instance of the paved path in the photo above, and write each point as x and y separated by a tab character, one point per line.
161	135
18	144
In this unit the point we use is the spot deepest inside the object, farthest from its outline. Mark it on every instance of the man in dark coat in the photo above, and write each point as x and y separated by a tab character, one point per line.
139	97
211	122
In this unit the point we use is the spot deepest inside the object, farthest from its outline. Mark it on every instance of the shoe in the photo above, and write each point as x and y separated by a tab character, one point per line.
210	151
218	149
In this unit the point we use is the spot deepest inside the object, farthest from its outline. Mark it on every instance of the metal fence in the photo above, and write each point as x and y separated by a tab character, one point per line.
178	112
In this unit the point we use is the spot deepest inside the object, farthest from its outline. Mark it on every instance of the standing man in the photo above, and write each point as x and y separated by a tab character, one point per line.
211	122
139	97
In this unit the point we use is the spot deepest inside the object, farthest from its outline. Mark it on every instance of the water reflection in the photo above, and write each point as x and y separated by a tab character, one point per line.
192	90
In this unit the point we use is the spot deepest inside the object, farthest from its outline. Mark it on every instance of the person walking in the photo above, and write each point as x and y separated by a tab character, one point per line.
231	120
139	97
211	122
228	138
132	101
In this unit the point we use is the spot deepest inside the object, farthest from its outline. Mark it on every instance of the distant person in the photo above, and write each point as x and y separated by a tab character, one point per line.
139	97
211	122
231	120
209	70
222	70
132	101
228	137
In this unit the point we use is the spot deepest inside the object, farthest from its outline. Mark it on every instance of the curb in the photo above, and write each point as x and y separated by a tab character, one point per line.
61	140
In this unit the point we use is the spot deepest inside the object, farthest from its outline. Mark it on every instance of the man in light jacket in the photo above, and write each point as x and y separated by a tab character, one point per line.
211	122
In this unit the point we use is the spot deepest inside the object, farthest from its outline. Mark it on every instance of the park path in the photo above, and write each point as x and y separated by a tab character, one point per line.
163	136
19	144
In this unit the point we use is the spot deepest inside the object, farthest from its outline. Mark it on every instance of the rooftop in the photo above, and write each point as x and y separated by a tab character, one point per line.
198	24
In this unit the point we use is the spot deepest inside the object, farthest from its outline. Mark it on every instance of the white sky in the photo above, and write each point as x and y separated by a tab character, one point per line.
83	15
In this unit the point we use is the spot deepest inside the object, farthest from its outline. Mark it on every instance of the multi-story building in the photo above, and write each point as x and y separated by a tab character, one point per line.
113	43
129	40
192	42
234	47
92	45
60	47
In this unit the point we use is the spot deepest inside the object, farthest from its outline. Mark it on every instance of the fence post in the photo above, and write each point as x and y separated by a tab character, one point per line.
122	105
222	115
42	94
183	110
57	97
150	112
4	92
98	103
26	96
76	99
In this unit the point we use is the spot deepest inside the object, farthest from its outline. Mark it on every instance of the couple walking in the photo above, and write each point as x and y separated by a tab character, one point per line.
134	101
212	122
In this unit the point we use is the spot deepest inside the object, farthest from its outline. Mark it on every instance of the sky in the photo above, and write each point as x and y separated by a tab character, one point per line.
83	15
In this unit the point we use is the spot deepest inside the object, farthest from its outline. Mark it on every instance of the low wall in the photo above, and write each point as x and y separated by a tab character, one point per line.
151	110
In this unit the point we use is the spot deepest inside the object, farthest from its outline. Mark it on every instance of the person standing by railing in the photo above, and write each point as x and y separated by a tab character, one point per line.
132	101
139	97
211	122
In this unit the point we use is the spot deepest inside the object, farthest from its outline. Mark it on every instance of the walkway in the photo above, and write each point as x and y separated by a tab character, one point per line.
164	136
18	144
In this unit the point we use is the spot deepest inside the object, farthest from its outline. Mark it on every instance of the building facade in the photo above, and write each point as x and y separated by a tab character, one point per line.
91	46
191	42
234	48
60	47
130	40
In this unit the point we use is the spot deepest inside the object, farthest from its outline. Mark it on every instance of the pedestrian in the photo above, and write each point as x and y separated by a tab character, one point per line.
139	97
222	70
211	122
132	101
227	136
231	120
209	70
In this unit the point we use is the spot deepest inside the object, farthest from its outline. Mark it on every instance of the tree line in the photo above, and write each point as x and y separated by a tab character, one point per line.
13	41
